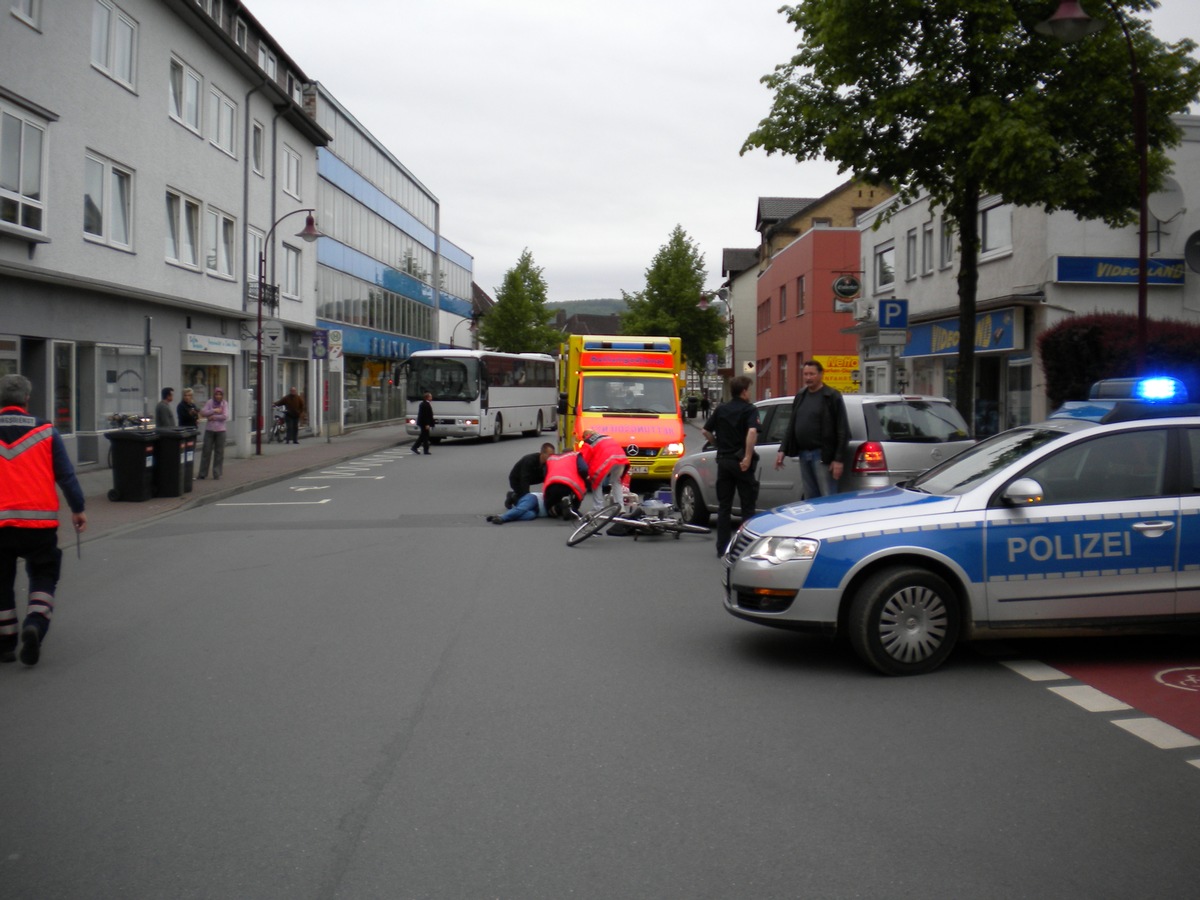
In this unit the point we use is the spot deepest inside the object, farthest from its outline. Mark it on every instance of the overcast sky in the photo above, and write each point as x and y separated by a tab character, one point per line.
583	131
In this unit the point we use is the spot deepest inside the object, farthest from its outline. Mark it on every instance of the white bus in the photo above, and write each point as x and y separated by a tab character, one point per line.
482	394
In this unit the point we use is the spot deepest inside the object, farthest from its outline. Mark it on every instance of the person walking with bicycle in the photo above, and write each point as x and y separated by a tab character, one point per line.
293	409
733	429
33	466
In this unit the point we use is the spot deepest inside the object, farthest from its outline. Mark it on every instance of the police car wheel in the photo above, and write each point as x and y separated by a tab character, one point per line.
691	504
904	621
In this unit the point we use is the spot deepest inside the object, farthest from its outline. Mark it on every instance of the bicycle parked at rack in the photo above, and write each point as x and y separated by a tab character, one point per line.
645	520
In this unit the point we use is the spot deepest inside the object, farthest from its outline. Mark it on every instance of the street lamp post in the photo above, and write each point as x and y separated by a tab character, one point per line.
309	234
722	296
1069	24
471	327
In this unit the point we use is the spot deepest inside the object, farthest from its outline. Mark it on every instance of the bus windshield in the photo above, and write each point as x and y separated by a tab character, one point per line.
446	378
629	394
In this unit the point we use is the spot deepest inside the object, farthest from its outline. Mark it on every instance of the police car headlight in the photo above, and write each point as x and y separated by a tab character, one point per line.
776	550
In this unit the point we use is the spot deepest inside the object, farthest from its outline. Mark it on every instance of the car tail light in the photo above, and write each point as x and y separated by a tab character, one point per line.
869	458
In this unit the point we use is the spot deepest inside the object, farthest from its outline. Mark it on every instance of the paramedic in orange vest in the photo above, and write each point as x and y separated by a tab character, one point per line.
33	459
565	484
606	462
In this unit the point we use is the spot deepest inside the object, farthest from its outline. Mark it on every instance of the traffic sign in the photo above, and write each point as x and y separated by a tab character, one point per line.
272	336
893	314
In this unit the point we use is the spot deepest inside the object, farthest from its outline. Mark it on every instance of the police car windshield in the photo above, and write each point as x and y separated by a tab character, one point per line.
960	473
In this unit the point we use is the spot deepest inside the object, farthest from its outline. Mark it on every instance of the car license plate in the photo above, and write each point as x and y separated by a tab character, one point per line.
639	470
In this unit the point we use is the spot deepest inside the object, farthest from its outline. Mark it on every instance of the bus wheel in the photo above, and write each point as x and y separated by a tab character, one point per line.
536	431
498	429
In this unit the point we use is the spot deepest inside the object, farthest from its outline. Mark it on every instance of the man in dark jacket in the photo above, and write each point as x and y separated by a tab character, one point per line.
293	409
819	436
33	466
733	428
424	424
529	470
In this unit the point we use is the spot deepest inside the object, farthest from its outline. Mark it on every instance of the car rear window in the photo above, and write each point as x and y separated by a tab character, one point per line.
915	422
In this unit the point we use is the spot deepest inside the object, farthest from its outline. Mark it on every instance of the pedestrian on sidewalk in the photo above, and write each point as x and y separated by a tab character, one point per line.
164	416
187	410
733	428
34	461
293	409
424	423
216	414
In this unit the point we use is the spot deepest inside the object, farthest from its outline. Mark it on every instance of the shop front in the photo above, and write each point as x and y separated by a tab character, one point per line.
369	360
1003	365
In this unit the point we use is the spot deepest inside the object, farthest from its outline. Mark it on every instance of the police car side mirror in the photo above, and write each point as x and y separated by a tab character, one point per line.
1023	492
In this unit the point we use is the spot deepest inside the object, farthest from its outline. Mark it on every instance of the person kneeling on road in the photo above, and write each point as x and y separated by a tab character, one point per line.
606	464
529	470
562	491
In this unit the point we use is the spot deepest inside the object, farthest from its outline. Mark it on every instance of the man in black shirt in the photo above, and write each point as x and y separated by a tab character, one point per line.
819	435
529	470
733	428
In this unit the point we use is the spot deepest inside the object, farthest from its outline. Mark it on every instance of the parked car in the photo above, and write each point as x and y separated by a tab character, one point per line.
893	437
1085	523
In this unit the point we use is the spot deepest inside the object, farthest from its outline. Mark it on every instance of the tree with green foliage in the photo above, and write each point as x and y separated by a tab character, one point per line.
520	322
668	304
962	98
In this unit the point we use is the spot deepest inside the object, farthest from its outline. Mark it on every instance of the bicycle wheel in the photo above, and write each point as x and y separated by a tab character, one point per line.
592	523
677	528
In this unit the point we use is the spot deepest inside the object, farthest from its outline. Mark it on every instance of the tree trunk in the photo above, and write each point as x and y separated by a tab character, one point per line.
966	213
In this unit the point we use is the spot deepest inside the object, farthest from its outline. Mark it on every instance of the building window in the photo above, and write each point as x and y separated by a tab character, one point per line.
183	230
947	244
114	42
266	60
291	169
782	302
184	96
241	35
22	164
28	11
291	272
107	202
254	251
800	295
221	117
219	230
295	88
995	228
257	142
885	267
927	248
910	254
783	382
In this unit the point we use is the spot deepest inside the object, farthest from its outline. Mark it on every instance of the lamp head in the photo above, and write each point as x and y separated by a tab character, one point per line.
310	233
1069	23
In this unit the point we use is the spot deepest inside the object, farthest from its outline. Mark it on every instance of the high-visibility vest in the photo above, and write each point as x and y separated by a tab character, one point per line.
28	493
601	455
563	468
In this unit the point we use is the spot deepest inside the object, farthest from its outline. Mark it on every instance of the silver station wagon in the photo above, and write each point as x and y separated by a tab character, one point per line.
893	438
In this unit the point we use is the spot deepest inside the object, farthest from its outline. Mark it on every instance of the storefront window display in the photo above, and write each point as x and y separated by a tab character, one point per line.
127	381
203	378
370	394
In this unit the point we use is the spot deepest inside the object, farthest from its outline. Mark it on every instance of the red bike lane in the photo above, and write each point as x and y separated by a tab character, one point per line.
1159	678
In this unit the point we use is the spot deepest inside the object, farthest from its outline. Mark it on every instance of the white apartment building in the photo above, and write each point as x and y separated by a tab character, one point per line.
147	150
1034	270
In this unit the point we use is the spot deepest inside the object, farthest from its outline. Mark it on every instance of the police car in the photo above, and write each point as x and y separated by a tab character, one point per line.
1086	523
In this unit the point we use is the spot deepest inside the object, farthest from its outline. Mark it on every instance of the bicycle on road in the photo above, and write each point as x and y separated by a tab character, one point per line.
645	520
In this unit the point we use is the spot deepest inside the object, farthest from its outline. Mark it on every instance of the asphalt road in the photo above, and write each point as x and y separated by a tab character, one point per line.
349	685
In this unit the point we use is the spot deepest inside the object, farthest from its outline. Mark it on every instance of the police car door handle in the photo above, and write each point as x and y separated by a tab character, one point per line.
1154	529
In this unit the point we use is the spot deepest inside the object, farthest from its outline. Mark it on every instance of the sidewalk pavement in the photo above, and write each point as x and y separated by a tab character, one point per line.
277	463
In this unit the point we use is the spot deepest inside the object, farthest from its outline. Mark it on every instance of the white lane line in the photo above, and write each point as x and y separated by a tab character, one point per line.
284	503
1158	733
1194	762
1034	670
1089	698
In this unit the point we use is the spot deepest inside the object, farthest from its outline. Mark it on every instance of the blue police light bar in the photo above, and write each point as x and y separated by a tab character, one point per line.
1152	389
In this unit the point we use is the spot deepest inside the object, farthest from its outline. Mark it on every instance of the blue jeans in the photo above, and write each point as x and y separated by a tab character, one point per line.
818	482
529	506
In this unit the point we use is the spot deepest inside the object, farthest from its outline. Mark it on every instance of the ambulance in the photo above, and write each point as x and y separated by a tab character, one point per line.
626	387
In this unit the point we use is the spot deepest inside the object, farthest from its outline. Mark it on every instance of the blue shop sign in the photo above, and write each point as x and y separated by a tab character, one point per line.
376	344
1116	270
1001	330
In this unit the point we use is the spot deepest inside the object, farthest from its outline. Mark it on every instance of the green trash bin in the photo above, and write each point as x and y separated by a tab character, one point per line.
132	464
173	455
